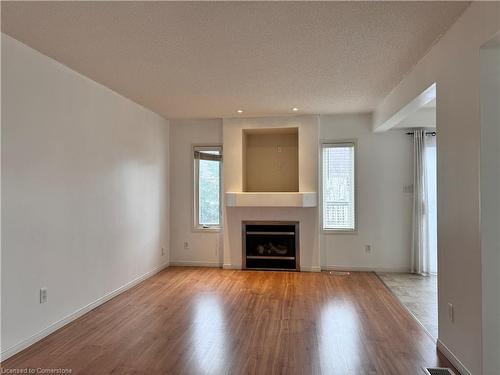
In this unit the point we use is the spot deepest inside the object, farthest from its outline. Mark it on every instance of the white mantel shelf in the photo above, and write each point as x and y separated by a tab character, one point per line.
271	199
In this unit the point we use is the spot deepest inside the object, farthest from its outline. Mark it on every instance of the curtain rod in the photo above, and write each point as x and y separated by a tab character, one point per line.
432	134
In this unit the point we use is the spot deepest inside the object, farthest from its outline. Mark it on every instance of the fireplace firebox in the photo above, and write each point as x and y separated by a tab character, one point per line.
271	245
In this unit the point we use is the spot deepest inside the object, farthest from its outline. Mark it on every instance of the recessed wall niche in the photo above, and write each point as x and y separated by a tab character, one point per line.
271	160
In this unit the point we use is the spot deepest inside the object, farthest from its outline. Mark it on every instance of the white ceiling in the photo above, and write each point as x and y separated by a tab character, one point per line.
431	104
208	59
424	117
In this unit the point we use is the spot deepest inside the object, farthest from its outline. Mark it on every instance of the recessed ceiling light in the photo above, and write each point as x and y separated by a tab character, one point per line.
239	111
295	109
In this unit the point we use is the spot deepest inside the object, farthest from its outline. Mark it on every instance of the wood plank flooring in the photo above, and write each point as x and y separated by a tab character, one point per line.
213	321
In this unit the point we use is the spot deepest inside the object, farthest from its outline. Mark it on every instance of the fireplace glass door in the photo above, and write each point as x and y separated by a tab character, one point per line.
270	246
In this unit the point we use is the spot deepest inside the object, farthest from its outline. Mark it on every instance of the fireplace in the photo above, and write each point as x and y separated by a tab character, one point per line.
271	245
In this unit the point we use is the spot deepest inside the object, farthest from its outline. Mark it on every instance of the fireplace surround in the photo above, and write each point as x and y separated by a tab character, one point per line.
271	245
297	205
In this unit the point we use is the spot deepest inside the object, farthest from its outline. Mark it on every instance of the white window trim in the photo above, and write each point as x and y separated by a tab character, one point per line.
337	143
196	227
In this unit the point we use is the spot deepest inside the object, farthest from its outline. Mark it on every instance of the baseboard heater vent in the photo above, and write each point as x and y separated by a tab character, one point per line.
339	273
439	371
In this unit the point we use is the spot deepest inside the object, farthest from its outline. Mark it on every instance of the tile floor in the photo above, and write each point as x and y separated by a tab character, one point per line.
418	294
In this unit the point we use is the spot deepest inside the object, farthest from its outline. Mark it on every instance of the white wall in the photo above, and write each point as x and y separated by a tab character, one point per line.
205	248
384	166
84	193
453	63
490	204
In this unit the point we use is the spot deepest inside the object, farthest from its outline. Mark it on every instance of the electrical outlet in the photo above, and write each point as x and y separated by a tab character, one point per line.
43	295
368	248
162	251
451	312
186	245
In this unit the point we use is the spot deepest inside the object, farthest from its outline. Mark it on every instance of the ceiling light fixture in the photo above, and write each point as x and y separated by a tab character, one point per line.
295	109
239	111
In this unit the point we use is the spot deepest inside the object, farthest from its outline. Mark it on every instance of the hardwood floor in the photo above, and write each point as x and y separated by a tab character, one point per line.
212	321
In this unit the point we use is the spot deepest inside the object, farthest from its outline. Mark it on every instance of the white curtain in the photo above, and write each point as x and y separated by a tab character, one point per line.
420	251
431	203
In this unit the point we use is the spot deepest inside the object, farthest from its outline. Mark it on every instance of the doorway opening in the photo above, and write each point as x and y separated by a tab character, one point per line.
417	289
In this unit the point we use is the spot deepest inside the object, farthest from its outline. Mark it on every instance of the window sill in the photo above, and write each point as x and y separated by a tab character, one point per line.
206	230
339	231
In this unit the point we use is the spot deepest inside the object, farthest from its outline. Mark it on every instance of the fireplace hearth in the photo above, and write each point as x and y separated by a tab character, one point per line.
271	245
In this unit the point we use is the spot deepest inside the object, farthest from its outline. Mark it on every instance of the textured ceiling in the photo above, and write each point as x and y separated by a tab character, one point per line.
208	59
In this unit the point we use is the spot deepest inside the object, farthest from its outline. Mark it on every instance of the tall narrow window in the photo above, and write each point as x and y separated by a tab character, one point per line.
338	201
207	172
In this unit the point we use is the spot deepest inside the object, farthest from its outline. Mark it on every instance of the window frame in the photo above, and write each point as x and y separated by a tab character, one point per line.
196	226
339	143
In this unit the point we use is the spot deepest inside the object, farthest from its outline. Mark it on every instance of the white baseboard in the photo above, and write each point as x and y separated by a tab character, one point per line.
232	266
310	268
303	269
365	269
195	264
452	358
9	352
